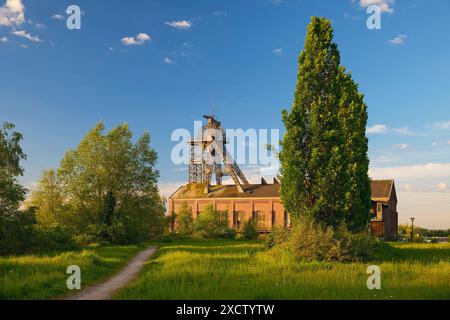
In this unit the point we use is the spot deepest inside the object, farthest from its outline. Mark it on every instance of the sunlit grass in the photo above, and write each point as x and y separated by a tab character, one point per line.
246	270
44	276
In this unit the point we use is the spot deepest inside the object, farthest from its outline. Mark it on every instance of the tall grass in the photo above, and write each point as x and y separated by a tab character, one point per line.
246	270
44	276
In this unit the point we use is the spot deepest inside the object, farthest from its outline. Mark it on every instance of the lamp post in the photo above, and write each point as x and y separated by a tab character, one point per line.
412	228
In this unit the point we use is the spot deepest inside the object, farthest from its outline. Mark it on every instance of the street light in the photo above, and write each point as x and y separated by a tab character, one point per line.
412	228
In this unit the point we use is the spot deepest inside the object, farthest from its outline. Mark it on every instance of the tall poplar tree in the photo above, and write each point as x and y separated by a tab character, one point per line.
353	118
321	152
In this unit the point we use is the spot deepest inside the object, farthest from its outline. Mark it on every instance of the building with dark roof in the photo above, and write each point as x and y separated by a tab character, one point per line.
262	203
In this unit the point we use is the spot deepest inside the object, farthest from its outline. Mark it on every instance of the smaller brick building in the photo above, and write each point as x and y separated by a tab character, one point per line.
262	202
384	215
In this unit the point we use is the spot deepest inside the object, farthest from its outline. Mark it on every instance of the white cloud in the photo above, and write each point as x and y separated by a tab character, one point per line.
3	39
220	13
12	13
168	60
183	24
398	40
277	2
58	16
408	187
377	129
138	40
26	35
442	186
24	46
385	5
442	126
401	146
428	171
278	51
382	129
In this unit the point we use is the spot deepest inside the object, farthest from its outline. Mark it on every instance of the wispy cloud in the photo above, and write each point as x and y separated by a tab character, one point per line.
58	16
383	129
278	51
168	60
183	24
3	39
401	146
26	35
12	13
398	40
220	13
141	38
385	5
442	126
442	186
377	129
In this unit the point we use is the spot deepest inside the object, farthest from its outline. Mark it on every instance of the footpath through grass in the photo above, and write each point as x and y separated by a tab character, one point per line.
44	276
246	270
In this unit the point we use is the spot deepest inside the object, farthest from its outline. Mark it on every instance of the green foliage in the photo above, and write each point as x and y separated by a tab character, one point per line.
353	120
212	224
324	157
249	231
104	190
184	220
308	241
16	226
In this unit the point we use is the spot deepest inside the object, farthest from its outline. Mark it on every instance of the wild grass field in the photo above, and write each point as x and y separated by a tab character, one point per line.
44	276
246	270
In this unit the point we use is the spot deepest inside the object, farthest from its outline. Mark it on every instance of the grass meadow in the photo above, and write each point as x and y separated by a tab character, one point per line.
44	276
246	270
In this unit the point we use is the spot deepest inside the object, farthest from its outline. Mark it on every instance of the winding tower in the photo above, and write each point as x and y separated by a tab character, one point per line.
209	156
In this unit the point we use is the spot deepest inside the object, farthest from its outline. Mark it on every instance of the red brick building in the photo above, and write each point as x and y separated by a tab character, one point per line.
262	202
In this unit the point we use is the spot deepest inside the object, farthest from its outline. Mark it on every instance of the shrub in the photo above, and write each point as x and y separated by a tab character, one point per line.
184	220
54	237
309	242
249	231
212	224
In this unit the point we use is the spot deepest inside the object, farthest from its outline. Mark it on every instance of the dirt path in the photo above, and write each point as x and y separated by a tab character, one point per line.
105	290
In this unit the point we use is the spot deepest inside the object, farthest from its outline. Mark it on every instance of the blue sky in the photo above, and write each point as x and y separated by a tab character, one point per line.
57	83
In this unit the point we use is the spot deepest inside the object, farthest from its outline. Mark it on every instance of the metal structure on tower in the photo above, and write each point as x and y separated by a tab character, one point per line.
207	155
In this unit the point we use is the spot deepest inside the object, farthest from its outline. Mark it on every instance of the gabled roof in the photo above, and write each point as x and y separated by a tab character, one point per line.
195	191
382	190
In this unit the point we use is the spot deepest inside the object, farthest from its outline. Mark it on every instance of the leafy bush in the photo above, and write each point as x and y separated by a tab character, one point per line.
54	237
17	232
309	242
249	231
212	224
184	220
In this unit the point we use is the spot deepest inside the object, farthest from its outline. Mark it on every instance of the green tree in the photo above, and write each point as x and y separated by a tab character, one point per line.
16	226
314	178
11	192
47	198
353	118
184	219
109	187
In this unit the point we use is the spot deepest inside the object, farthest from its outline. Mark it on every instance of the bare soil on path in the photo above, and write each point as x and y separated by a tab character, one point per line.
105	290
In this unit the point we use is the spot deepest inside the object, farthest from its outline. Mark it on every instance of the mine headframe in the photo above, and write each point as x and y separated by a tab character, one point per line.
207	154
